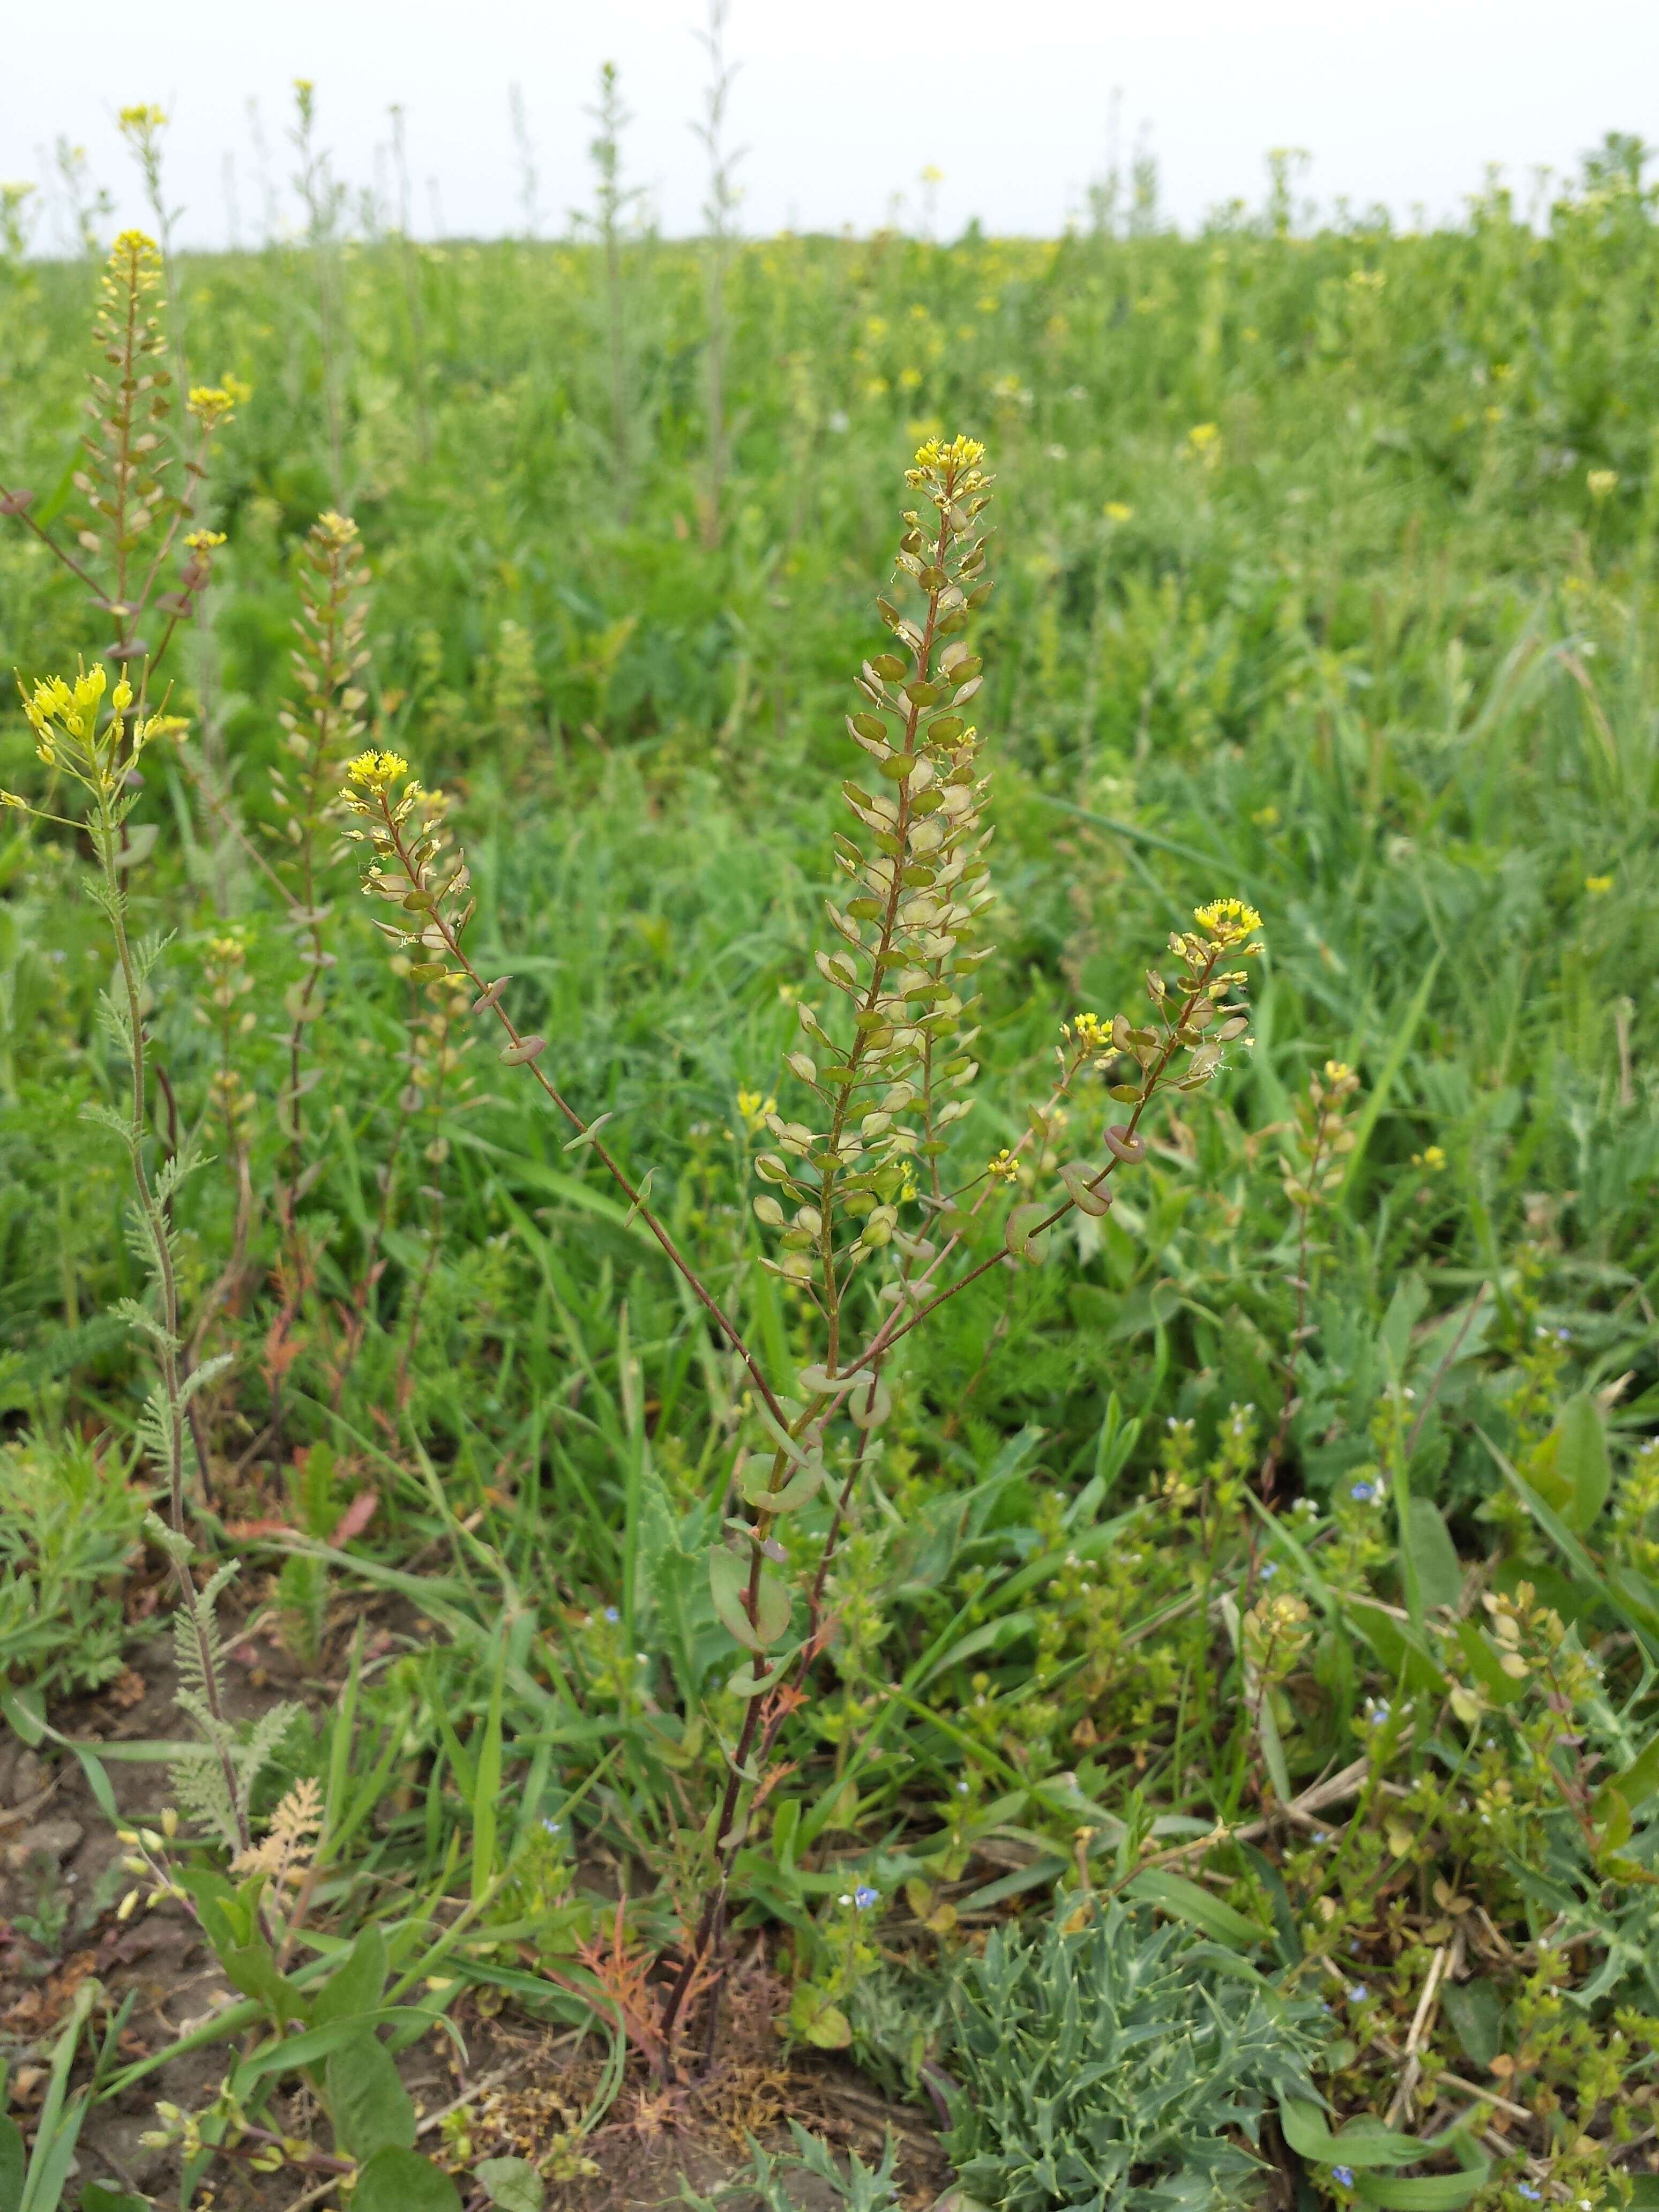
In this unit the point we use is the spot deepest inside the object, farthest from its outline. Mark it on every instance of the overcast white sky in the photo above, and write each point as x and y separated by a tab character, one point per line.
843	103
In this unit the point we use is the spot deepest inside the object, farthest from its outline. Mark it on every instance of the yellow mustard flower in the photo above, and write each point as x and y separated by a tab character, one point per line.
375	770
1227	920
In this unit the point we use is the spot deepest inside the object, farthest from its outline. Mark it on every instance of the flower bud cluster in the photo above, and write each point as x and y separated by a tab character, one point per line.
415	865
1323	1138
75	734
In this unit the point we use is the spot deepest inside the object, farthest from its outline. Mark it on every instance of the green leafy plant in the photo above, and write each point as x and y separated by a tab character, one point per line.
875	1230
1106	2062
68	1538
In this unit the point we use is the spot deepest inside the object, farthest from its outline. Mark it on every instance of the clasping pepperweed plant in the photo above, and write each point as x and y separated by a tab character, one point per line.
860	1191
94	735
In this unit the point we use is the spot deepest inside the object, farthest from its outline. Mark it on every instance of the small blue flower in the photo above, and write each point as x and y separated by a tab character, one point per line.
1344	2175
612	1615
1357	1994
1268	1568
864	1897
1362	1491
552	1828
1522	2190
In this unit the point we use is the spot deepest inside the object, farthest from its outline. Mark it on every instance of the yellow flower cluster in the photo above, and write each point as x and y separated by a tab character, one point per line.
1004	1168
950	456
1228	921
64	716
215	404
71	707
1088	1032
753	1108
375	770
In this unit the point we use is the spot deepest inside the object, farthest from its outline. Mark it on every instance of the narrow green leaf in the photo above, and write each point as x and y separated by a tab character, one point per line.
1362	2142
1389	1073
1430	2192
487	1788
11	2161
1184	1901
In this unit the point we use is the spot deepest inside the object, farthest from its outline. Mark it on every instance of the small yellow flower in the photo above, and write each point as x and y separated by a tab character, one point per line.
753	1108
204	541
1116	511
140	121
1265	818
1227	921
1432	1158
1004	1168
1602	483
1598	886
10	798
1204	443
1089	1032
375	770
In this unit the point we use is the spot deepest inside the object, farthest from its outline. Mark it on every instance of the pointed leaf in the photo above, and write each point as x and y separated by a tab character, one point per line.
1580	1461
1429	2192
1184	1901
1362	2142
512	2183
397	2180
368	2102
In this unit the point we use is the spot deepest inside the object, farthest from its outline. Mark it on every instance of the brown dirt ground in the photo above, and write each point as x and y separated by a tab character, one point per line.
60	1878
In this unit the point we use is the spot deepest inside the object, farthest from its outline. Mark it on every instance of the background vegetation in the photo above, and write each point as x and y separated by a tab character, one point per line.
1327	577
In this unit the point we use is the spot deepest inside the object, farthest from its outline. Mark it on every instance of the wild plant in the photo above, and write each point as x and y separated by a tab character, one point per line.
614	207
408	261
322	198
878	1236
320	725
93	736
1323	1142
1104	2061
719	211
530	197
144	129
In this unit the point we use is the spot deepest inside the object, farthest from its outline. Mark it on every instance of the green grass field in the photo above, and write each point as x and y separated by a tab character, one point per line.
1326	578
